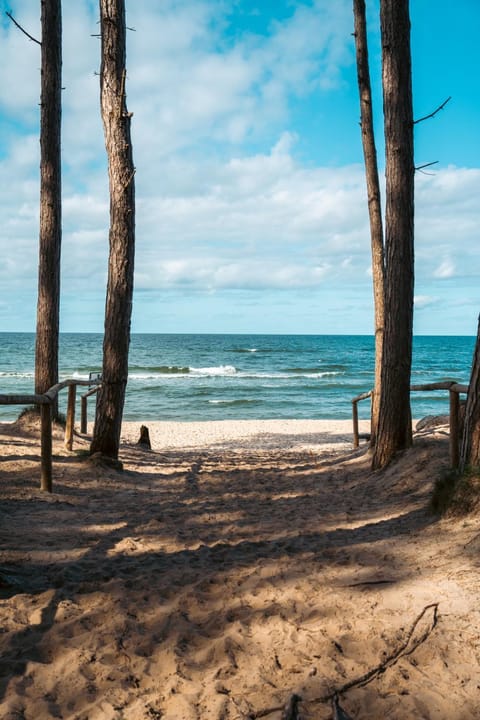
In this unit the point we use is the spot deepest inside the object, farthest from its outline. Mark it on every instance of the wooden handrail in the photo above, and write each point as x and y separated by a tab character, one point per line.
444	385
454	388
363	396
47	397
45	401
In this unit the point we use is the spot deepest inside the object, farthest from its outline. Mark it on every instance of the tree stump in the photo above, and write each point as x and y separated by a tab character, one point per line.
144	440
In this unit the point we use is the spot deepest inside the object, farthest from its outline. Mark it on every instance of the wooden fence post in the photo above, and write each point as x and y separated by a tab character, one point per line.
83	407
454	428
83	414
70	424
356	440
46	445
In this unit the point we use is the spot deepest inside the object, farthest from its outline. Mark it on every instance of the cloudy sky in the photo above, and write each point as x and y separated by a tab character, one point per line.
251	202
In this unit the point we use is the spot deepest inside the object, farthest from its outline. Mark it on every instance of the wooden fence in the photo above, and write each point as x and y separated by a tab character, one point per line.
454	390
45	403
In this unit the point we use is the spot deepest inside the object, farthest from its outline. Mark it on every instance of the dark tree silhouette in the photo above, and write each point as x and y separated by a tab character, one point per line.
48	304
374	200
470	452
394	430
118	309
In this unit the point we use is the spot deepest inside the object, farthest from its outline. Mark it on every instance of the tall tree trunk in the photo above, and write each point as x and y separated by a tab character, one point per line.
394	431
374	201
48	304
470	453
118	309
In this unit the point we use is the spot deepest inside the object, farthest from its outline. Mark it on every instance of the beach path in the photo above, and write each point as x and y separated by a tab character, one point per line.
218	578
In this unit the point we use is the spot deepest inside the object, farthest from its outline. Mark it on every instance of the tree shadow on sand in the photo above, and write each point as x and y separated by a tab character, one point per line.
202	569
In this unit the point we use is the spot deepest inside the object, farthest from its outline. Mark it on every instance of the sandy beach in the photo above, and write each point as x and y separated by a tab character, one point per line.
317	435
238	570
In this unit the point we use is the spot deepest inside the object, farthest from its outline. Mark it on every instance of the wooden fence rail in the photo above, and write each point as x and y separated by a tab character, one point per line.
454	390
45	403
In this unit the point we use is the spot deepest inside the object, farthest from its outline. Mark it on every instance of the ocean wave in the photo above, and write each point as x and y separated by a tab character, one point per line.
147	373
287	375
76	375
219	370
152	370
329	370
195	373
237	402
154	373
247	350
16	374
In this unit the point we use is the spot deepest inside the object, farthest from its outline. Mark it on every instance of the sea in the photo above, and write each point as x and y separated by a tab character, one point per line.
220	377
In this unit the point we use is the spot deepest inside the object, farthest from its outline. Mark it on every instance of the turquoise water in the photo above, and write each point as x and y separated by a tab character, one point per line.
214	377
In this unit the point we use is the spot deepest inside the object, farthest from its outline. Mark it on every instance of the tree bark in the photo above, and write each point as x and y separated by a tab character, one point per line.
374	200
394	432
470	452
118	309
50	238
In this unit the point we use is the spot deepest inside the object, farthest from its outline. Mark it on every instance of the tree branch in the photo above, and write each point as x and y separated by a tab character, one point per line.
432	114
420	167
411	642
406	648
30	37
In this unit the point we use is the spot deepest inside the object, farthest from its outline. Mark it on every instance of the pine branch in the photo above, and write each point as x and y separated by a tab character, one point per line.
30	37
420	167
432	114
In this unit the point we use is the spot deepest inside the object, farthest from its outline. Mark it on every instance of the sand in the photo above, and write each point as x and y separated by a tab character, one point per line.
237	571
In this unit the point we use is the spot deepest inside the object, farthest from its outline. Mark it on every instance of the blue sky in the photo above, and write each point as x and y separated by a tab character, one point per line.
251	204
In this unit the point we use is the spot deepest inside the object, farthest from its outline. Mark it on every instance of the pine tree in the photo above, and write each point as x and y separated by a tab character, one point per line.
118	309
394	432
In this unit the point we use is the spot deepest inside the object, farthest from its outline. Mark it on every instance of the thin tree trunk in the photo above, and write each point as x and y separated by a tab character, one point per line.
118	310
394	431
48	304
470	452
374	200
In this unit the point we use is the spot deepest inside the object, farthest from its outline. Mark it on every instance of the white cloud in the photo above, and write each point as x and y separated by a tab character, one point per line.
268	221
192	86
447	224
423	301
213	274
446	269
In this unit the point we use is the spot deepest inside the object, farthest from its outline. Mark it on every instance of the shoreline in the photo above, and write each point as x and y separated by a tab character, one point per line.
301	434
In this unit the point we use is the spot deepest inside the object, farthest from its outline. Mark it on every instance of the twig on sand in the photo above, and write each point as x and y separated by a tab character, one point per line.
290	710
263	713
475	537
338	712
370	582
406	648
